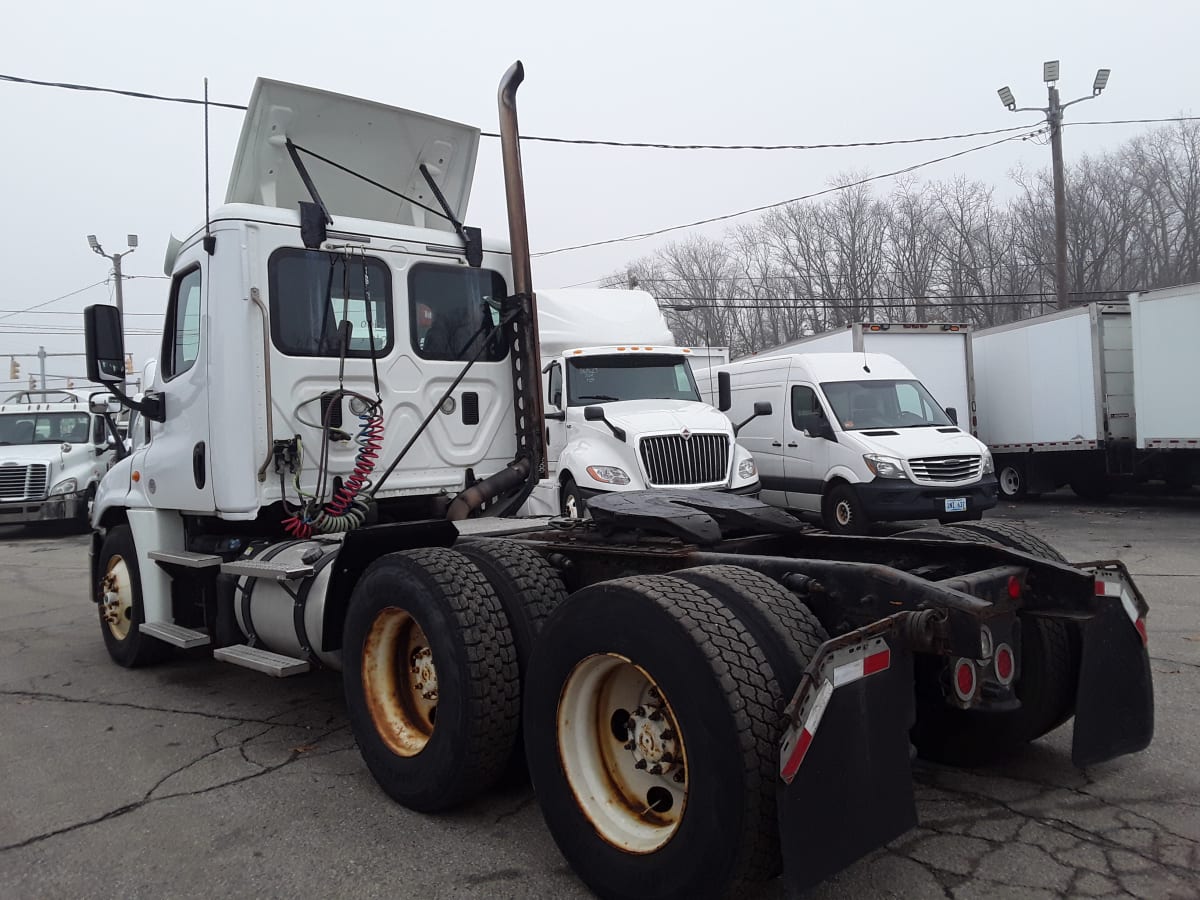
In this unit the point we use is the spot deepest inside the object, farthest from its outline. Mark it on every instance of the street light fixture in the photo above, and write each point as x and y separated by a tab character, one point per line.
1053	111
132	241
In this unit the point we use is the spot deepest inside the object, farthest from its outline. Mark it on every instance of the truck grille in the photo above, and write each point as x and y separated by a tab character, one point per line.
697	459
945	468
23	482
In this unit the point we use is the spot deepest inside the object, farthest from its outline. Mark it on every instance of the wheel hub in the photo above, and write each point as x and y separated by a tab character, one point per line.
652	740
116	603
842	511
424	675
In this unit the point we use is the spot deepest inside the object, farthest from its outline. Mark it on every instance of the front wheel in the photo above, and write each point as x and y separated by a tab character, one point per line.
651	727
1012	482
118	596
843	511
572	505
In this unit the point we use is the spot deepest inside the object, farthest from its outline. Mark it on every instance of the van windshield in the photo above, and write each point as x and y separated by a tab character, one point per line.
629	376
44	428
883	404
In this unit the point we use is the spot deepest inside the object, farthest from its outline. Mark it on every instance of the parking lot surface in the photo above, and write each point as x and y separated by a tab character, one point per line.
198	779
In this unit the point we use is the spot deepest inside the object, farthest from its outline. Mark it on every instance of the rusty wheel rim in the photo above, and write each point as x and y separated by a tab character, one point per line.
116	598
622	753
400	681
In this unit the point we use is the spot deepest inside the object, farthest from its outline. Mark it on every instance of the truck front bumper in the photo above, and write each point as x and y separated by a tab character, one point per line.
747	490
894	499
53	509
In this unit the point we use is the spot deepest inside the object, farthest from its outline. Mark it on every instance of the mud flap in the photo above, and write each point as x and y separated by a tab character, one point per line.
850	789
1114	706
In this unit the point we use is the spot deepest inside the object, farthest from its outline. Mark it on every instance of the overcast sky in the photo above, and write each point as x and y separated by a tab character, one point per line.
695	72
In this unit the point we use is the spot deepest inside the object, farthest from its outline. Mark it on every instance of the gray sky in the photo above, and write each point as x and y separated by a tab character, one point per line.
694	72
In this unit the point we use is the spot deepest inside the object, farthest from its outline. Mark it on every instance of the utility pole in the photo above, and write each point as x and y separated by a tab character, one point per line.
116	261
1053	112
42	360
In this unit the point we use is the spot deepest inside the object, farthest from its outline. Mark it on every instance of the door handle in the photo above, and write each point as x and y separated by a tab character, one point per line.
776	443
793	444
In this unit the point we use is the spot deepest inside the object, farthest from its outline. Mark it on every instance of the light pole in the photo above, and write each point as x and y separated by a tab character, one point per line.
116	261
1053	112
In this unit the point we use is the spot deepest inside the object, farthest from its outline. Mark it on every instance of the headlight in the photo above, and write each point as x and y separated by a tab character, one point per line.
884	466
608	474
747	469
988	466
66	486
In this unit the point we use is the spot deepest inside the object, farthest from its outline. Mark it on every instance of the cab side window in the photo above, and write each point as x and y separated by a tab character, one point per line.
556	384
181	343
806	409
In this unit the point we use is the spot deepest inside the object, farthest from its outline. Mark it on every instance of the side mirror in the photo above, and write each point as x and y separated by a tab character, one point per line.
952	414
104	344
594	413
556	400
761	408
724	392
821	429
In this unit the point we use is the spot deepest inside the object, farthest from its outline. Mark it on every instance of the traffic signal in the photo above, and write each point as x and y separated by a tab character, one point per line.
14	368
128	363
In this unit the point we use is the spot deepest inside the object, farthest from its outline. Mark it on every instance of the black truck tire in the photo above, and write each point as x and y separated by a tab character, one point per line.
786	630
529	589
1050	653
118	593
571	502
430	676
656	671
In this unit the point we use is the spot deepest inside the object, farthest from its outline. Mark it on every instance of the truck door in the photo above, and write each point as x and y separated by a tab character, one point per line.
175	470
556	428
806	453
763	437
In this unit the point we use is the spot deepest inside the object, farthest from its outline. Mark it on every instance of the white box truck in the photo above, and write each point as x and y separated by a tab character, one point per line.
623	408
938	354
1165	375
1055	399
855	438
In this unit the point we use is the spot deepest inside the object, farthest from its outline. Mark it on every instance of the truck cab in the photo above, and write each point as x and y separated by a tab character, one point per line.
623	409
857	439
53	452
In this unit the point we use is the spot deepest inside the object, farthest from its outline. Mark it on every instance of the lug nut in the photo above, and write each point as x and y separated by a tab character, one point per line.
668	734
678	776
640	711
668	758
656	716
629	745
640	764
654	693
656	769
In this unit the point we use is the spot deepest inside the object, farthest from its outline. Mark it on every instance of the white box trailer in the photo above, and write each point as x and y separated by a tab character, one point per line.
939	354
1166	372
1055	399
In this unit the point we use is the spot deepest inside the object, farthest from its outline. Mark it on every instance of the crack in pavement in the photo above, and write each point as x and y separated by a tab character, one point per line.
62	698
148	798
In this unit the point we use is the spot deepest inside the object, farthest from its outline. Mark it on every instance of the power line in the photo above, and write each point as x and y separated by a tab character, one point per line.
763	208
54	300
804	303
140	95
69	312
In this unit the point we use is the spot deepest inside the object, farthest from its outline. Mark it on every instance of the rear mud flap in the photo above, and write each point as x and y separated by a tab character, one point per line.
851	788
1114	706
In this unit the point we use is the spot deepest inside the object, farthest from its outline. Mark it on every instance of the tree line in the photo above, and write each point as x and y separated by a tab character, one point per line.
940	251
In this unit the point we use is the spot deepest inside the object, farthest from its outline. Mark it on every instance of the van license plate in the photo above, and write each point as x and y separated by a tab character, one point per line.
958	504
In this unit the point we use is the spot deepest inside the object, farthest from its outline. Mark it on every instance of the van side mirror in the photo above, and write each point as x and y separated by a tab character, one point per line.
761	408
596	414
724	392
104	344
952	414
556	399
821	429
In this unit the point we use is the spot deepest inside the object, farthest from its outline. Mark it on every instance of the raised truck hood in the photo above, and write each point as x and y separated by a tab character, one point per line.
385	143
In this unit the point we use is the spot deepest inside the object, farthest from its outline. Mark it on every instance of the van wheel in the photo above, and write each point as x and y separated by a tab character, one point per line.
430	676
651	730
118	595
572	503
843	512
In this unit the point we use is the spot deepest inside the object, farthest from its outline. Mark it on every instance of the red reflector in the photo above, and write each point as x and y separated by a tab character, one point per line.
1140	625
964	679
1100	590
1014	586
793	764
1004	664
877	662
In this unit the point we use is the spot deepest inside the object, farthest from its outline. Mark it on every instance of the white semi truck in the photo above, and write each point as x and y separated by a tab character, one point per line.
347	412
623	409
54	449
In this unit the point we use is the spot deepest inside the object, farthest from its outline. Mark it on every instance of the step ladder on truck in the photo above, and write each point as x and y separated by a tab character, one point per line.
708	693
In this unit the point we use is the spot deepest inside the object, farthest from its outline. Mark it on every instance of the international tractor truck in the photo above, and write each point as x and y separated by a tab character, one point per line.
346	413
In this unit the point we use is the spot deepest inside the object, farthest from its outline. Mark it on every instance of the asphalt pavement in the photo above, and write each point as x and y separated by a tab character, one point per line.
199	779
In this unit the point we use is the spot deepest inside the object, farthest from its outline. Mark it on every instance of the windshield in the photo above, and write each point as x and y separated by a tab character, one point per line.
628	376
883	404
44	428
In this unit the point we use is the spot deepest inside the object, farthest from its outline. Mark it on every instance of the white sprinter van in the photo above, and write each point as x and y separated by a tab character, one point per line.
855	438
